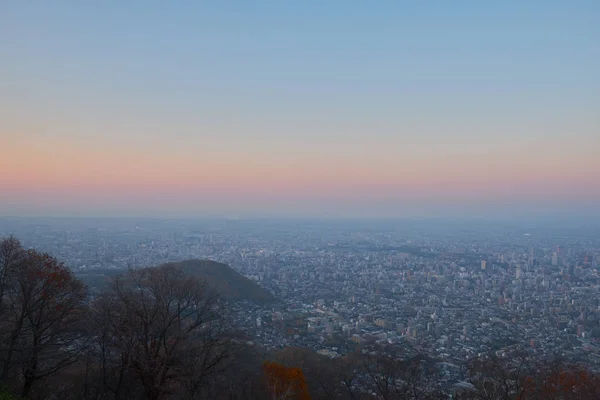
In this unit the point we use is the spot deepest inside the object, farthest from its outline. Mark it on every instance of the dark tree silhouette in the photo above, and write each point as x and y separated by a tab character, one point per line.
10	254
406	378
43	308
160	332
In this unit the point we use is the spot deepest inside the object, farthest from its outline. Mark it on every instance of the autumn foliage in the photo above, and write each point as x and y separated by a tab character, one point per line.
565	383
523	378
285	383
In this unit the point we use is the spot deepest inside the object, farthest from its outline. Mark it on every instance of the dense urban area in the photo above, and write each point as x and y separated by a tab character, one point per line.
450	290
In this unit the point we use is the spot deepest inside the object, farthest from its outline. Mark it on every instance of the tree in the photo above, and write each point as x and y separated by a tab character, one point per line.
401	377
340	378
285	383
44	305
161	332
10	253
565	382
240	378
327	378
495	378
521	378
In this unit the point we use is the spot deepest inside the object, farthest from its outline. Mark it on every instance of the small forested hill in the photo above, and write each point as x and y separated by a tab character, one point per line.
227	282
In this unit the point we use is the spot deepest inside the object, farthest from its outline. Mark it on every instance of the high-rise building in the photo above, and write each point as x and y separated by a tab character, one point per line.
483	264
531	260
519	273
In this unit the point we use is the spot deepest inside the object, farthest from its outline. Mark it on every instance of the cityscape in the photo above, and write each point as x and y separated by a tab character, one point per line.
267	200
451	290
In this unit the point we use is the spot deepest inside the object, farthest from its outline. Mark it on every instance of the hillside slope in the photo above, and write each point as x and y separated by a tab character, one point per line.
227	282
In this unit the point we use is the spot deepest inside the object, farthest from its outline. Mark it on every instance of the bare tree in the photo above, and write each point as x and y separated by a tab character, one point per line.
337	379
404	378
44	304
160	331
10	253
241	377
494	378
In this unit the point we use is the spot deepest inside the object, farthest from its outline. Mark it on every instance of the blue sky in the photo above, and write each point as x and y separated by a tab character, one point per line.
364	93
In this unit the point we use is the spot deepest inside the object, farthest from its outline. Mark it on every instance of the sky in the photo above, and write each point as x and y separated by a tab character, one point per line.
308	108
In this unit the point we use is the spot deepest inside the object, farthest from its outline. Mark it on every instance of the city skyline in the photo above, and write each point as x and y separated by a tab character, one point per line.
186	109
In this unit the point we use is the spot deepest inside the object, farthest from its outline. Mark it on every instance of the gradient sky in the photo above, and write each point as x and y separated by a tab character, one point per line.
321	108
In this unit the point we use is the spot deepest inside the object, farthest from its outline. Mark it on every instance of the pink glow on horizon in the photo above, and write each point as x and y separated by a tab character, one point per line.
62	173
63	163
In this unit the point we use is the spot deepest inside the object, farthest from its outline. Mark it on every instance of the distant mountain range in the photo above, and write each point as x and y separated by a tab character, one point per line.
227	282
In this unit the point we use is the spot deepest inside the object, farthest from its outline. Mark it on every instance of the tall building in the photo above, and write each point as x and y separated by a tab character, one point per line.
531	260
519	273
483	264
